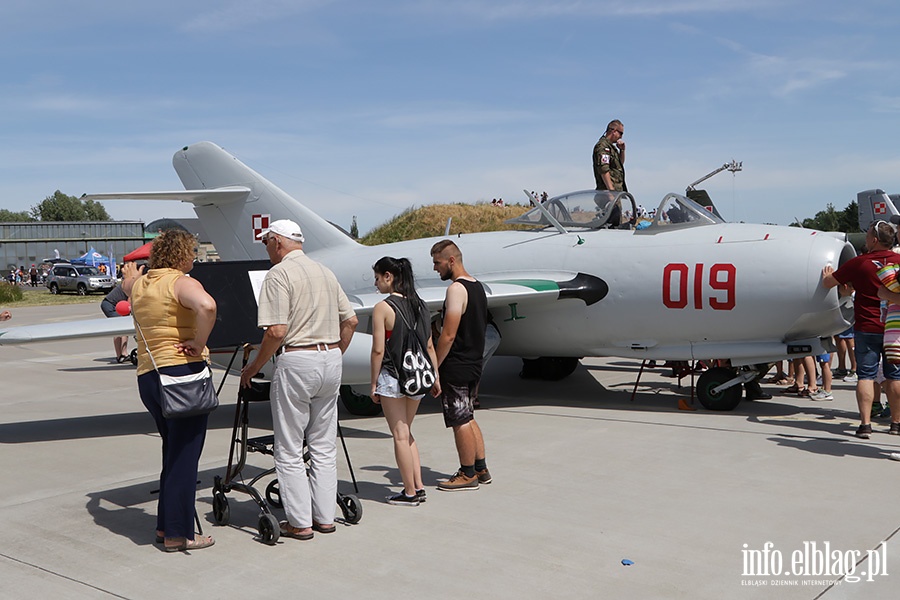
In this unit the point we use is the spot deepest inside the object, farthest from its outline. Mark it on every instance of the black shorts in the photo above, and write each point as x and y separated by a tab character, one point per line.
457	403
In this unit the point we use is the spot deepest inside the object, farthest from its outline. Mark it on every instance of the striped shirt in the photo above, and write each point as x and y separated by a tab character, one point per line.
305	296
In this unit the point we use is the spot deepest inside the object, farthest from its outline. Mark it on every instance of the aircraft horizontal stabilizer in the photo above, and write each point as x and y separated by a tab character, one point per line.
62	331
197	197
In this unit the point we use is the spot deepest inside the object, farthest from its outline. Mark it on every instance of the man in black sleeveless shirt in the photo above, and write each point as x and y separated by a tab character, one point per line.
459	354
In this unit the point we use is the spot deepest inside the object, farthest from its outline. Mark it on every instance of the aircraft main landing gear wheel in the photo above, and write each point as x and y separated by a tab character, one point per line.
273	494
358	404
727	399
548	368
221	512
351	508
268	528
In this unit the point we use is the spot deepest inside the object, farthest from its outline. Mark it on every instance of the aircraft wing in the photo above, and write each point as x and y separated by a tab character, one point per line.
198	197
507	288
62	331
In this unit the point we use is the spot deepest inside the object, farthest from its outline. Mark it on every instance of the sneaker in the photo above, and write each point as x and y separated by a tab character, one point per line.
420	494
459	482
483	476
895	429
850	377
864	432
823	395
840	373
402	499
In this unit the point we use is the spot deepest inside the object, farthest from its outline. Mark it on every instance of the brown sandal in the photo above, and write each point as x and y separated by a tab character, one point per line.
288	530
324	528
198	543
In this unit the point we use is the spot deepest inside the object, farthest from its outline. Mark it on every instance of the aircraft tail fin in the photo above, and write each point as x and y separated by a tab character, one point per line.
235	203
874	205
206	166
702	198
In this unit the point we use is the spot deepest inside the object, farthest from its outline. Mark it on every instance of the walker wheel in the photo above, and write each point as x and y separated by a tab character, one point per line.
221	512
273	494
351	508
269	530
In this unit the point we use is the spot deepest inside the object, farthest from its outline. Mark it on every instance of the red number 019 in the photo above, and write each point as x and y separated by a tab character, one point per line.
677	278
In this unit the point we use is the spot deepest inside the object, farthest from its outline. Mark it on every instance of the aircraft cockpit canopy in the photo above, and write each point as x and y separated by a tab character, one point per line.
591	209
677	212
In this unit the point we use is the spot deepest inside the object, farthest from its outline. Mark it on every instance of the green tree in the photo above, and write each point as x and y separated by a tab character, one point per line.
60	207
354	229
8	216
94	211
846	220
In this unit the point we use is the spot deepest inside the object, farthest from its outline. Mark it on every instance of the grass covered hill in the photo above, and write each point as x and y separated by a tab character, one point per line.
430	221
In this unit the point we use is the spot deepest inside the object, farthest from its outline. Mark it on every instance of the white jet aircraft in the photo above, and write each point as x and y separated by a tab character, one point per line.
581	283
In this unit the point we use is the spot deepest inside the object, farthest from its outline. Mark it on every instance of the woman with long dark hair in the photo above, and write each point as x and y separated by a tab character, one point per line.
394	276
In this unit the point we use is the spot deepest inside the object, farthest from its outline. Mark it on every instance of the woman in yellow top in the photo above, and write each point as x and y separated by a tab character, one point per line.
176	316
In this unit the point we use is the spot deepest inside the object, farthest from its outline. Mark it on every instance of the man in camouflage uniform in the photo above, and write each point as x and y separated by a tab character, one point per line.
609	158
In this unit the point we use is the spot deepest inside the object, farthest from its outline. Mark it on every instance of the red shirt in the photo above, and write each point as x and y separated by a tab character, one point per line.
860	273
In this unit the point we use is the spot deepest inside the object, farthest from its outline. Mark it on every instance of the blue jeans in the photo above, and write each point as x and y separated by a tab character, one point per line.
869	351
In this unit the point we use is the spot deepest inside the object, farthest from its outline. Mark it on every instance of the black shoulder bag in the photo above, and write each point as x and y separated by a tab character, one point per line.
184	395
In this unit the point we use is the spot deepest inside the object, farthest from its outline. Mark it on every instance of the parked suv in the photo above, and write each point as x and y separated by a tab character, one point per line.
80	279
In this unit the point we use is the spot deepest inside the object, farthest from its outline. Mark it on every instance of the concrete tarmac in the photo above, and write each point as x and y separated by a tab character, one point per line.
776	499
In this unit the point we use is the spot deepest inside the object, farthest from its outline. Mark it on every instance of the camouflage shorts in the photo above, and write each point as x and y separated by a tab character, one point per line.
457	403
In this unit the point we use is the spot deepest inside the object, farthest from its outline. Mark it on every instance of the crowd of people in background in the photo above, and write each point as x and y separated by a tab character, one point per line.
36	275
33	276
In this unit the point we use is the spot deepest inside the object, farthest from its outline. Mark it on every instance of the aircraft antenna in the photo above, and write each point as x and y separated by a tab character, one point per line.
447	228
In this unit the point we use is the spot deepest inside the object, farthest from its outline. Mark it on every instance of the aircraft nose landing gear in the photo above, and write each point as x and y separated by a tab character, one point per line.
720	388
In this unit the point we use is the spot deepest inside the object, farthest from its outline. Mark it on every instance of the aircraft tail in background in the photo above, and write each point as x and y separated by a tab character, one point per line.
875	205
234	203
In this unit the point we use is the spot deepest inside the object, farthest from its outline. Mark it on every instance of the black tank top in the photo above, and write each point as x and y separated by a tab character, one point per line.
463	363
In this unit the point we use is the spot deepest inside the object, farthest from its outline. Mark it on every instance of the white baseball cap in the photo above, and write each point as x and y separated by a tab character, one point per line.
283	227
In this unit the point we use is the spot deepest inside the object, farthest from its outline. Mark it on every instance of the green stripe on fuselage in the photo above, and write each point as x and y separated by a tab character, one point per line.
538	285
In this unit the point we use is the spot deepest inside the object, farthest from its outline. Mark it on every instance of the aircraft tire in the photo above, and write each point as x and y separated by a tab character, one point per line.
724	400
358	404
548	368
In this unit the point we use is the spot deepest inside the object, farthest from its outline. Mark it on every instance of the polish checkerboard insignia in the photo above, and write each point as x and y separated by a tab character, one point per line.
260	222
880	208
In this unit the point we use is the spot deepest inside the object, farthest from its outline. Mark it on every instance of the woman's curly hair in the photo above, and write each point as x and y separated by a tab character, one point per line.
171	249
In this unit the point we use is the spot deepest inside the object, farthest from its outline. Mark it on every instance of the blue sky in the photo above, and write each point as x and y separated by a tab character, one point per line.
368	108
